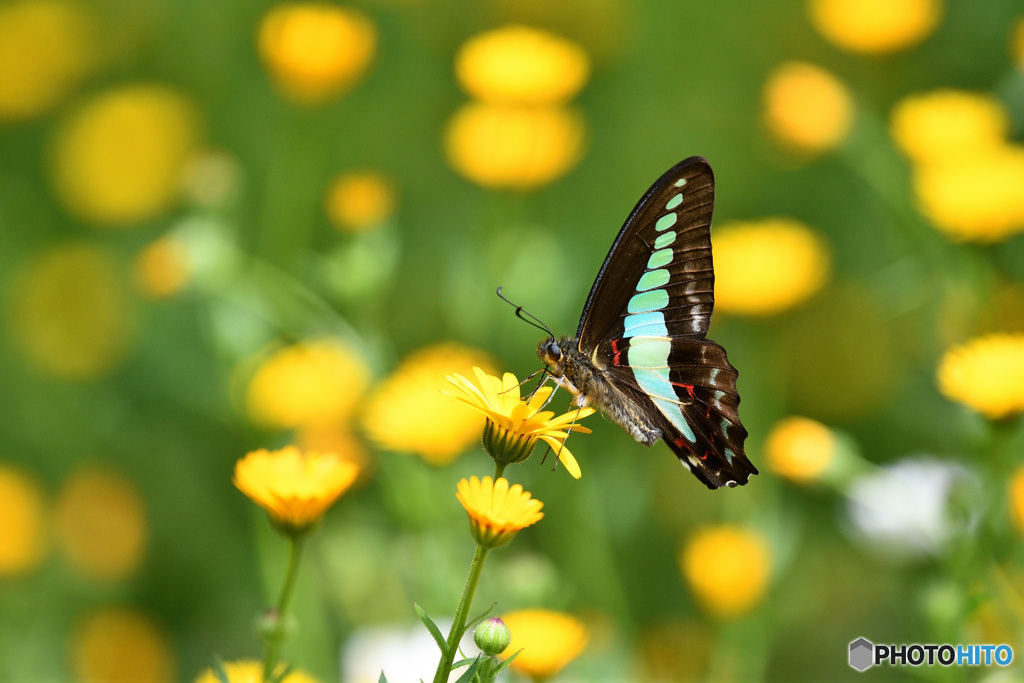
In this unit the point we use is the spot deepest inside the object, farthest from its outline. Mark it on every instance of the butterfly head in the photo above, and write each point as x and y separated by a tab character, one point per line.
553	352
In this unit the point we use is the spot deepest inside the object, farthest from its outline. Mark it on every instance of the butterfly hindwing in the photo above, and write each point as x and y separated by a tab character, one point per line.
646	318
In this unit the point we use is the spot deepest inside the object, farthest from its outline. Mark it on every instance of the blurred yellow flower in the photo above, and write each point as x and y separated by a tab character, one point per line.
875	26
359	201
521	65
118	159
120	644
316	382
764	267
513	425
295	488
69	312
549	640
727	567
800	449
46	48
315	50
100	523
337	439
23	524
161	268
1016	498
514	147
947	126
976	198
496	511
806	107
251	671
407	413
986	374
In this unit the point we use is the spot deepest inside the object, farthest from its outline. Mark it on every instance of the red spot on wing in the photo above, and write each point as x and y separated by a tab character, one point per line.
688	387
617	358
681	443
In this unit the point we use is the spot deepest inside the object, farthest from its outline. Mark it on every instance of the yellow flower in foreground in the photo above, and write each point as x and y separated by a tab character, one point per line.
800	449
118	160
315	50
161	268
408	414
976	198
496	511
251	671
317	382
750	278
100	523
359	201
727	568
513	425
521	65
875	26
513	147
1017	498
806	107
986	374
46	48
116	644
23	535
295	488
947	126
70	312
549	641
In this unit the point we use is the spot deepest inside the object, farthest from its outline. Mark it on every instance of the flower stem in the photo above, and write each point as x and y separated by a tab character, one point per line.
444	667
499	469
275	634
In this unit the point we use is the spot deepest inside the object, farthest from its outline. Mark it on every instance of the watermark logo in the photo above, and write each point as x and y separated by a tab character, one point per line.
864	654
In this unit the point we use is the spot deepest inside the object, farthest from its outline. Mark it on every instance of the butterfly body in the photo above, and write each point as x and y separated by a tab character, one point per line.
640	353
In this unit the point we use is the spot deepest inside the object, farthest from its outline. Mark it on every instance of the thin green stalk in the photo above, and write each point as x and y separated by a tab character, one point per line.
444	667
275	637
499	469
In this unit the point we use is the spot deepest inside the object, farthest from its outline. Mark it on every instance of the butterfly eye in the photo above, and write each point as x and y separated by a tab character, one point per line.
556	352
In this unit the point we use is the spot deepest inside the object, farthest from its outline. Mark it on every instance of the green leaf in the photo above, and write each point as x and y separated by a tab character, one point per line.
470	672
218	670
383	678
432	627
508	661
480	618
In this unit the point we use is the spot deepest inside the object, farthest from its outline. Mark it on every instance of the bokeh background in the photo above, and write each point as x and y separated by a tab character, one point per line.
234	225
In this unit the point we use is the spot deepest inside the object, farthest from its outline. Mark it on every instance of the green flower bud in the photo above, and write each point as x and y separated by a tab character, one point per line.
492	636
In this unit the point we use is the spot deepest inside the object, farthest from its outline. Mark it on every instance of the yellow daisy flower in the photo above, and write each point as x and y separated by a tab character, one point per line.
875	26
727	567
295	488
549	641
807	108
949	126
521	65
800	449
497	512
986	374
513	425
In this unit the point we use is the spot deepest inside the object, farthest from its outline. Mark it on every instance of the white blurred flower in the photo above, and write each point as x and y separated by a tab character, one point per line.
904	510
403	653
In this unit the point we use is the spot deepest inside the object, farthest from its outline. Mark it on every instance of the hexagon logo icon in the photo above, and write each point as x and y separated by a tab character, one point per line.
862	654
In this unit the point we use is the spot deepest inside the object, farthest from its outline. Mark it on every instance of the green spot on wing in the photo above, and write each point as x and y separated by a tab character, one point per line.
665	239
665	222
652	279
660	258
653	300
675	201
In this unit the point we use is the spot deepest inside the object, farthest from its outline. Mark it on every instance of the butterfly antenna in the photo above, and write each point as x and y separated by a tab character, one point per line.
526	316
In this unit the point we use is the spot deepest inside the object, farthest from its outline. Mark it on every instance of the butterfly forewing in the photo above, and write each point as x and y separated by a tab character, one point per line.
646	318
675	215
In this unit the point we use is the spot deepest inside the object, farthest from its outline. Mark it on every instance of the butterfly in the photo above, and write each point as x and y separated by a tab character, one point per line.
640	354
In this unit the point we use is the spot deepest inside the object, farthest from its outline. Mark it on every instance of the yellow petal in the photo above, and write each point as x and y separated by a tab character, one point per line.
564	456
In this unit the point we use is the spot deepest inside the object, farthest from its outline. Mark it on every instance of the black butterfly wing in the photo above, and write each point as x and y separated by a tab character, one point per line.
645	321
692	283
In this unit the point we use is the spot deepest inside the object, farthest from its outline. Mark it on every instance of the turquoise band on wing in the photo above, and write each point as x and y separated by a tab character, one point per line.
651	324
